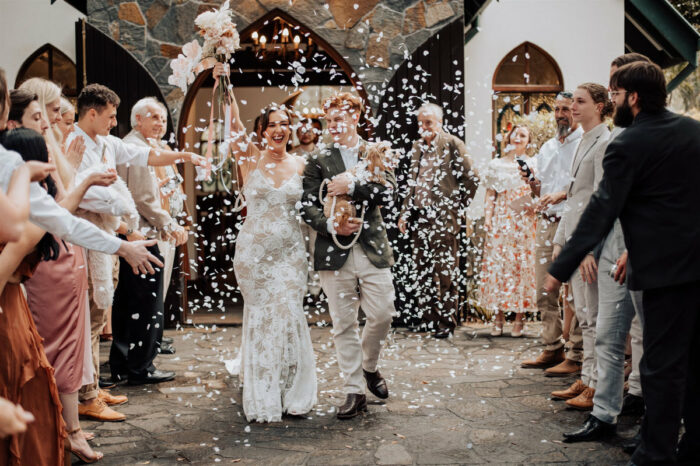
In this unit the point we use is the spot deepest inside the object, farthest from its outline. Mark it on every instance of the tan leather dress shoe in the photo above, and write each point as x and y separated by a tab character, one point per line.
584	401
545	359
111	400
566	367
97	409
573	391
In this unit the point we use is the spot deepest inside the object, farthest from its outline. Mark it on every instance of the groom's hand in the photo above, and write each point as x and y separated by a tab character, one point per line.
350	227
339	185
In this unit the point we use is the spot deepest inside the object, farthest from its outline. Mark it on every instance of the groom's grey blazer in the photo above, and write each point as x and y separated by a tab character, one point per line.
326	163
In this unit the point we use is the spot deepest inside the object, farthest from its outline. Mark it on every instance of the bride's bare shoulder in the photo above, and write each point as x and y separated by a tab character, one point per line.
301	163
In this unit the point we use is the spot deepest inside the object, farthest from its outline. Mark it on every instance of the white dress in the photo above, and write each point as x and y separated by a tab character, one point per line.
277	367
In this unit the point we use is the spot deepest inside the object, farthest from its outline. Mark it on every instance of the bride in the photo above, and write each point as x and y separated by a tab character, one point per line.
277	368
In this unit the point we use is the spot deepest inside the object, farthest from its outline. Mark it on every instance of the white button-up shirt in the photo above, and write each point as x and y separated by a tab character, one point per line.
350	157
48	215
106	152
554	167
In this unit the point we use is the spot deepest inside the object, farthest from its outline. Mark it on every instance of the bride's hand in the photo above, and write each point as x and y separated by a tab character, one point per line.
220	69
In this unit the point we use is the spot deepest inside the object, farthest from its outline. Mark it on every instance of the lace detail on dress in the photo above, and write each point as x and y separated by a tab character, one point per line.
277	368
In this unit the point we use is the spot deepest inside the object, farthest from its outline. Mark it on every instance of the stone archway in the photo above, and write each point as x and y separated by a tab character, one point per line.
245	34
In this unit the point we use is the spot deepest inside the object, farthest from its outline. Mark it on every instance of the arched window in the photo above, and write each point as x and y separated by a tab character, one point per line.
50	63
527	79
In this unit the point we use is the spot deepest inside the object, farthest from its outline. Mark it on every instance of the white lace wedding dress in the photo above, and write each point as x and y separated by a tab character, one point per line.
277	366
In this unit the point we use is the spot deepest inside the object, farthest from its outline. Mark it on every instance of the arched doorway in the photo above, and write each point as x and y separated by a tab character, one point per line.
527	79
271	66
50	63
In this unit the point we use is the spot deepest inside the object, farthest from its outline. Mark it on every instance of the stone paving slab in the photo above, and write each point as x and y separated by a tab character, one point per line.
463	400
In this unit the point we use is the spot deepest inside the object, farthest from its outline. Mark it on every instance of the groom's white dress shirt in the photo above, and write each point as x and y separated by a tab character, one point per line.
48	215
350	158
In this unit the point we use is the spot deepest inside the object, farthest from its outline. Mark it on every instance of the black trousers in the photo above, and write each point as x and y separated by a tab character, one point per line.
137	321
434	253
670	373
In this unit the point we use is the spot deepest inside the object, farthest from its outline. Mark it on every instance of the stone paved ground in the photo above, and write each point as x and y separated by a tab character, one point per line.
459	401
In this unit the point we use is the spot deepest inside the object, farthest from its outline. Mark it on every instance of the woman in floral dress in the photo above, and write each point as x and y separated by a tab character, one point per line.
508	266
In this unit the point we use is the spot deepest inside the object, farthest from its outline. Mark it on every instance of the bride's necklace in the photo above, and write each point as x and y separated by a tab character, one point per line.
277	158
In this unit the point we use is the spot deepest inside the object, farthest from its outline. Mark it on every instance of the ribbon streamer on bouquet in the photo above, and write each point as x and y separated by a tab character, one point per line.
239	203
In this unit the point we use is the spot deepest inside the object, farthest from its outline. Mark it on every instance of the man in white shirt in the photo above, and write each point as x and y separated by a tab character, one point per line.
550	182
97	115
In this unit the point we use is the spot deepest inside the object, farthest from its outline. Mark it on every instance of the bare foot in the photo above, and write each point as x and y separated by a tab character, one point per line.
80	448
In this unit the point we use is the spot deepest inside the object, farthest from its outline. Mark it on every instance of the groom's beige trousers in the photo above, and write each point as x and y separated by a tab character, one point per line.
358	283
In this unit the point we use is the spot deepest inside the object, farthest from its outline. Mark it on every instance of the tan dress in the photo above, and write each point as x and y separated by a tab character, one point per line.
26	377
508	265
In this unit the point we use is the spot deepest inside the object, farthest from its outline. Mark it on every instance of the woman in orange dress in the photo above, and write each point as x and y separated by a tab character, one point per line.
508	265
26	376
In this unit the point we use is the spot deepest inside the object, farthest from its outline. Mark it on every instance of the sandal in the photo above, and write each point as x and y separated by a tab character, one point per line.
98	456
497	330
88	436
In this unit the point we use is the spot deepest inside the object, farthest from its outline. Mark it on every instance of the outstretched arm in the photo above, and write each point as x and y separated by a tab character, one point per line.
244	151
73	199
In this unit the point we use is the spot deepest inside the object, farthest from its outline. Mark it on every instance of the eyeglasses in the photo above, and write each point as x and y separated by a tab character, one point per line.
613	94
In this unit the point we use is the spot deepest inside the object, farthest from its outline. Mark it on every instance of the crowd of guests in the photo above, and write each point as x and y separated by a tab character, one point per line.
609	212
90	222
606	206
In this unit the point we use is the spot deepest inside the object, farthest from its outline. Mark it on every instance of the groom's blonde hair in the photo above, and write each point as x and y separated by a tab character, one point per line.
344	101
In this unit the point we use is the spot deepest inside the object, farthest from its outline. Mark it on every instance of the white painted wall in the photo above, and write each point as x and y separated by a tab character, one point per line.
583	36
26	25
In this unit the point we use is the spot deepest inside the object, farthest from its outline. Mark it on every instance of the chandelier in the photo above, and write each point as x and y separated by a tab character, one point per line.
280	39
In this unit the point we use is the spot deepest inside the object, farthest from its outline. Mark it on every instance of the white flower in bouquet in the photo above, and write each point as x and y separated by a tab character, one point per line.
220	35
183	66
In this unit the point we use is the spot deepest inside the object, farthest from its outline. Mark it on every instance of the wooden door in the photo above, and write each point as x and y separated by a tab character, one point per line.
432	73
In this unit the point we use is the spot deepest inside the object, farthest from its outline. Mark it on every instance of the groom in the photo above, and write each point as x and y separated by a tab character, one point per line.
361	275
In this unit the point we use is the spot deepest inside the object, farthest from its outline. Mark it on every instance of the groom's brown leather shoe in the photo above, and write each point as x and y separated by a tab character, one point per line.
376	384
354	405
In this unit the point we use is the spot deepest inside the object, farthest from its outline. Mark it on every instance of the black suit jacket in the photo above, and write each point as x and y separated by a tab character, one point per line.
325	164
651	180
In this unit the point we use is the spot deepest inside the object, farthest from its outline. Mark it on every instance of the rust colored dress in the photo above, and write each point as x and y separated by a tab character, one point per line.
57	296
508	265
26	377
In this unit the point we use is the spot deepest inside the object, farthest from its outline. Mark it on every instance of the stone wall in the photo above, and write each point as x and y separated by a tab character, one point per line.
372	35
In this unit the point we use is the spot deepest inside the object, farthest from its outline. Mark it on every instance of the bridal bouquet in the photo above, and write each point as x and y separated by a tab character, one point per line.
221	40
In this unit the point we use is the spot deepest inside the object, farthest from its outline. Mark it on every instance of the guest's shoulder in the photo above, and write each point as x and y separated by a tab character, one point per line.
10	158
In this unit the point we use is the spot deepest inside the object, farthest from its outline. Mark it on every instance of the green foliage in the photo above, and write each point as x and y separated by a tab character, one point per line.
690	9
